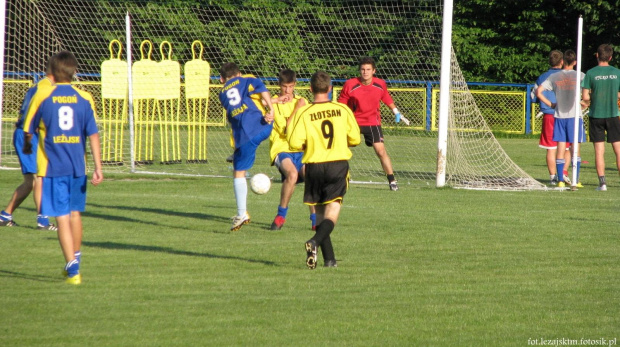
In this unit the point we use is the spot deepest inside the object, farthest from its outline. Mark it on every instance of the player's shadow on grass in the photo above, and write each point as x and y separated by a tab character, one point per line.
5	273
158	211
379	176
143	248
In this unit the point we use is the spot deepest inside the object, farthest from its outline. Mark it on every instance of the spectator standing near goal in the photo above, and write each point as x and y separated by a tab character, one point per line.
363	95
601	88
324	130
64	116
563	85
546	135
28	163
249	128
287	161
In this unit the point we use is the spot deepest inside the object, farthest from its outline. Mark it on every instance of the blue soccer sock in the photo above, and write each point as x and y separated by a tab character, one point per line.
72	268
43	220
282	211
241	195
578	168
5	216
78	256
313	219
559	167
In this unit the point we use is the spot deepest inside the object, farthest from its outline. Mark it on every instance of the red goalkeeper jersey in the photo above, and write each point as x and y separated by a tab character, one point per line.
364	99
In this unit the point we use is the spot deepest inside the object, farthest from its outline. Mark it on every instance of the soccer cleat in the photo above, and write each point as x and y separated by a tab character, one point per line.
561	184
566	180
49	227
7	223
579	185
278	222
331	263
77	279
554	180
602	188
393	186
229	159
311	251
239	221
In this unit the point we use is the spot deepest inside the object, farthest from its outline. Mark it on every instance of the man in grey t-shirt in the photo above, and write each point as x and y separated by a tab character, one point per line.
564	84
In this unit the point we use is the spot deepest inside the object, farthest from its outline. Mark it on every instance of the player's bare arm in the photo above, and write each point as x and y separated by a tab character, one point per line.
542	98
95	148
282	99
267	102
585	98
300	104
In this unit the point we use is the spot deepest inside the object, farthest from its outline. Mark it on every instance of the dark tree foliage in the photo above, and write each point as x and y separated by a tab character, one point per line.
508	41
494	40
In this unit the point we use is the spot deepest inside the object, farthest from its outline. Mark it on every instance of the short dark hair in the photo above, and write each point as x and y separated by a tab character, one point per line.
367	61
320	82
229	70
605	51
569	57
555	57
63	65
287	76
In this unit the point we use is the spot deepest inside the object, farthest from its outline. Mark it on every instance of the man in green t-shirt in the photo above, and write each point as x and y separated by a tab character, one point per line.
601	89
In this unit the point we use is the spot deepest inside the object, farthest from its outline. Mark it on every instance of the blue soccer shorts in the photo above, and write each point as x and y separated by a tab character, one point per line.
62	195
245	155
564	130
295	158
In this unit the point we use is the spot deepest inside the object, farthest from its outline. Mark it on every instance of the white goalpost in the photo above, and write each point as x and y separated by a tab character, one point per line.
578	113
444	94
447	141
2	34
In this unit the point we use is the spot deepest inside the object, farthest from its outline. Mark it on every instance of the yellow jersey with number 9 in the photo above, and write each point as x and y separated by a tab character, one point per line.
324	131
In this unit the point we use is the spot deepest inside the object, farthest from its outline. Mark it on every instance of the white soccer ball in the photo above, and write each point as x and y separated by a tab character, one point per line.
260	183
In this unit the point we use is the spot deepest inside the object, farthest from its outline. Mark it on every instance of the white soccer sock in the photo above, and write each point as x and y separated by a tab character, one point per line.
241	195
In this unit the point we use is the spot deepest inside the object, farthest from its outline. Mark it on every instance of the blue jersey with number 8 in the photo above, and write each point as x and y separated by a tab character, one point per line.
65	116
245	118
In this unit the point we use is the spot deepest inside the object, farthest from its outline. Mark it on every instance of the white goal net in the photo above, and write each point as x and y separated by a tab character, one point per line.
178	46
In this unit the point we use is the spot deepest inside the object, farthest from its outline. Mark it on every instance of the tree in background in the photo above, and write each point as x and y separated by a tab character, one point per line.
505	41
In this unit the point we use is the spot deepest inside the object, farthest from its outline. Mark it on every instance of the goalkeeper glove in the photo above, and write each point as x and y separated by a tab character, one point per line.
397	114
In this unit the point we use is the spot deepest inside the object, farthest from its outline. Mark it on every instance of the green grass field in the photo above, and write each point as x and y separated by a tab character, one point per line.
417	267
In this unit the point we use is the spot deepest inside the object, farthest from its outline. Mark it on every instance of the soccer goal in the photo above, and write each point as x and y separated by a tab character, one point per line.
167	117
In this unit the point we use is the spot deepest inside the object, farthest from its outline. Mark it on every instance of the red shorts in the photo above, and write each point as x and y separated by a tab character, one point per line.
546	135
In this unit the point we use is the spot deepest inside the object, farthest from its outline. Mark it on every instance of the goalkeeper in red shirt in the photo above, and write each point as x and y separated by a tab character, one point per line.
363	95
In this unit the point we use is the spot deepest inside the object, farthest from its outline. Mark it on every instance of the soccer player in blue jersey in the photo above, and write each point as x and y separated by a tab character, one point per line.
28	163
546	134
65	116
249	126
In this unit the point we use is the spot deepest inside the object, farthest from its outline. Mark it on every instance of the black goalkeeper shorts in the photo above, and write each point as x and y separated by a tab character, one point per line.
326	182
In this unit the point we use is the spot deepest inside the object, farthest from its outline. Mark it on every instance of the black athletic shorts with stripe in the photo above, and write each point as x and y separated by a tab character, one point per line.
372	134
326	182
